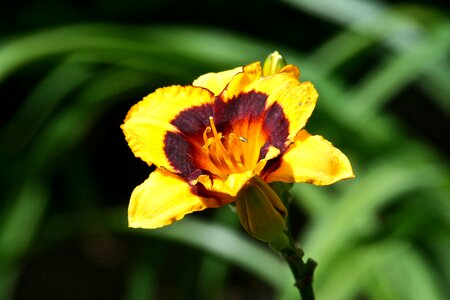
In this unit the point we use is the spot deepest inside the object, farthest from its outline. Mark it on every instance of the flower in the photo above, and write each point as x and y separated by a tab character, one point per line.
223	139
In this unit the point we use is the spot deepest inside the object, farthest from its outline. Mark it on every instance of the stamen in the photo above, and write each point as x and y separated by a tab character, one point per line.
251	154
234	150
213	126
205	134
243	139
226	156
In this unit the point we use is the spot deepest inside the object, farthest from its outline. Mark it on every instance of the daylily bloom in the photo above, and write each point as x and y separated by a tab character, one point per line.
225	133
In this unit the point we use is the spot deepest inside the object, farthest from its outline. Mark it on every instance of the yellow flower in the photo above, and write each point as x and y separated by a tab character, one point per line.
223	134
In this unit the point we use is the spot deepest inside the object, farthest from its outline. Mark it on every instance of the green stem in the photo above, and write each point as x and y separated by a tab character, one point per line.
303	272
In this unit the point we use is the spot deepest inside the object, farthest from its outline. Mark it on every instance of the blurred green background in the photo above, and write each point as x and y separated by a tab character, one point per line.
69	72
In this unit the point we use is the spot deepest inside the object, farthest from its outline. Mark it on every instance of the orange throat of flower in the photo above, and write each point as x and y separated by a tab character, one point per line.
235	153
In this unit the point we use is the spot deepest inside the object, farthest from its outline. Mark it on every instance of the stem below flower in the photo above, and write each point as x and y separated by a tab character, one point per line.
290	250
303	272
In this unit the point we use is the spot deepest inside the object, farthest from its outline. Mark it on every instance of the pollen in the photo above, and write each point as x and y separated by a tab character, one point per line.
233	153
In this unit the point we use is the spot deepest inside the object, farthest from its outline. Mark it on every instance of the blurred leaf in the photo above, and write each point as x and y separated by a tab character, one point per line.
435	84
22	220
213	271
211	45
370	18
395	262
141	283
16	53
439	244
408	277
43	99
212	277
314	200
337	50
399	30
353	214
223	243
378	87
18	228
348	274
81	115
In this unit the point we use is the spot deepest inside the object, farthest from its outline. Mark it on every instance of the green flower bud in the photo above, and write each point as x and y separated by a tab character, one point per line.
262	213
273	63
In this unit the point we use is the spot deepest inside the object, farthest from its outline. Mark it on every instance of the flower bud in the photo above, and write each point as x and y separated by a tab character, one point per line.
262	213
273	63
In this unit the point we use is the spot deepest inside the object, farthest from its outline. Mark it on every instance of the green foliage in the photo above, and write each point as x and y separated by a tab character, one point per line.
65	175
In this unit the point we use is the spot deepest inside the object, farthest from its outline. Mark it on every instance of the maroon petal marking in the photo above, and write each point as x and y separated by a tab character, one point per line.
181	148
179	152
271	166
276	126
245	106
221	198
193	121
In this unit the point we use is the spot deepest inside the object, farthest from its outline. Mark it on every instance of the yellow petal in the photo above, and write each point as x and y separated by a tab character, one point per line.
216	82
297	99
231	186
312	159
163	199
242	82
147	122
